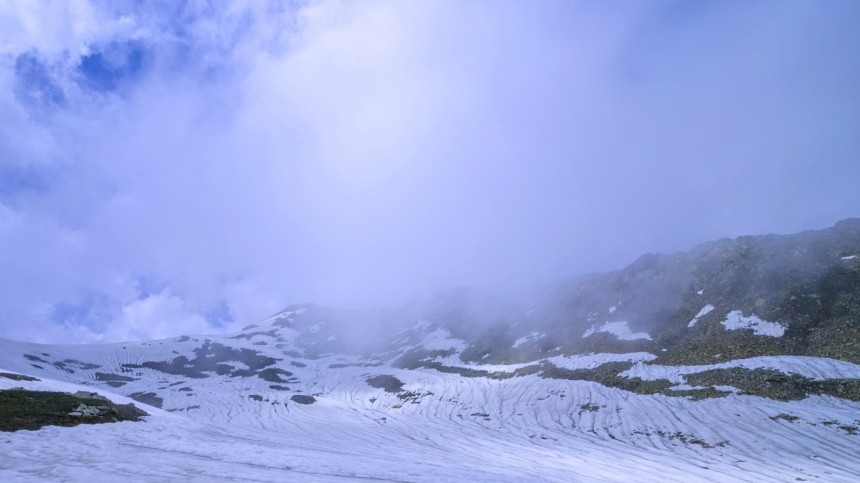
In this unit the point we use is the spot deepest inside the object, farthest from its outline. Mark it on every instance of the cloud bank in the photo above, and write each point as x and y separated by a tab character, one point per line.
171	168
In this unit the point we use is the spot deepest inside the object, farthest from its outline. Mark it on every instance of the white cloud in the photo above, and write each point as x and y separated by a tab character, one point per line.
361	153
157	316
51	27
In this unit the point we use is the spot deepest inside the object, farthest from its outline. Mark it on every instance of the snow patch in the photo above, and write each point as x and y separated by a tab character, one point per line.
527	338
850	257
687	387
735	321
705	311
590	361
284	314
440	340
618	329
817	368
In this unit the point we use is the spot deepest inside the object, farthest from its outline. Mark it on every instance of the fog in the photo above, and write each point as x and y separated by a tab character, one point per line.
169	169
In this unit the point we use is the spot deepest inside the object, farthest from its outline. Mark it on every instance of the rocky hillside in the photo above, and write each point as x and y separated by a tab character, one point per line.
733	298
25	409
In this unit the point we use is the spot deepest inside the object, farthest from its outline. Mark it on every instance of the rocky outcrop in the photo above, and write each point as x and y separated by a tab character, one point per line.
23	409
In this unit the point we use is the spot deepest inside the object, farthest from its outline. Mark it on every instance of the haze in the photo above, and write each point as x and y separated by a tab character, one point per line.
171	168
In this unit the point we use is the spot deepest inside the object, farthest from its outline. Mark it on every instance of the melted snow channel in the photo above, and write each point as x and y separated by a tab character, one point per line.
619	330
735	320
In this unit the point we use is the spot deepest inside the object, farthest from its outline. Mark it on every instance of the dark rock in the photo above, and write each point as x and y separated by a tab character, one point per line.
17	377
150	398
303	399
388	383
21	409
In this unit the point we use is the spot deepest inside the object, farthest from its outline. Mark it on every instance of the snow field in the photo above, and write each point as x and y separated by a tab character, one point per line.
447	428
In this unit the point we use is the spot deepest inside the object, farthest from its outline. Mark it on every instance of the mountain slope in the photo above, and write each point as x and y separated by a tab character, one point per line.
736	360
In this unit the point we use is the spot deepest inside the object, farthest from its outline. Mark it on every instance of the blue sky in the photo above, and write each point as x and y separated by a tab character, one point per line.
170	168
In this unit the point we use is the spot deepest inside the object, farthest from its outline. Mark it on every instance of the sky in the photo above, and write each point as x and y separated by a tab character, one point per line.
174	168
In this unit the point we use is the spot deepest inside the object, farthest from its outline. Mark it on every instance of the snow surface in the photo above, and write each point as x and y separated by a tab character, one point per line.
705	311
441	339
735	320
619	330
454	428
289	315
590	361
527	338
850	257
580	361
818	368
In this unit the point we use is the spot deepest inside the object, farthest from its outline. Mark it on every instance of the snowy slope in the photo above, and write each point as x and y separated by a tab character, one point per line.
230	413
736	361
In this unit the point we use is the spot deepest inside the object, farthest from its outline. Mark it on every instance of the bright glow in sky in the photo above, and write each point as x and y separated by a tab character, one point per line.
171	168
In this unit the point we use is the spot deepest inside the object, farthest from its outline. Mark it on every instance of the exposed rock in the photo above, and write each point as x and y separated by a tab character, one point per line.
23	409
303	399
